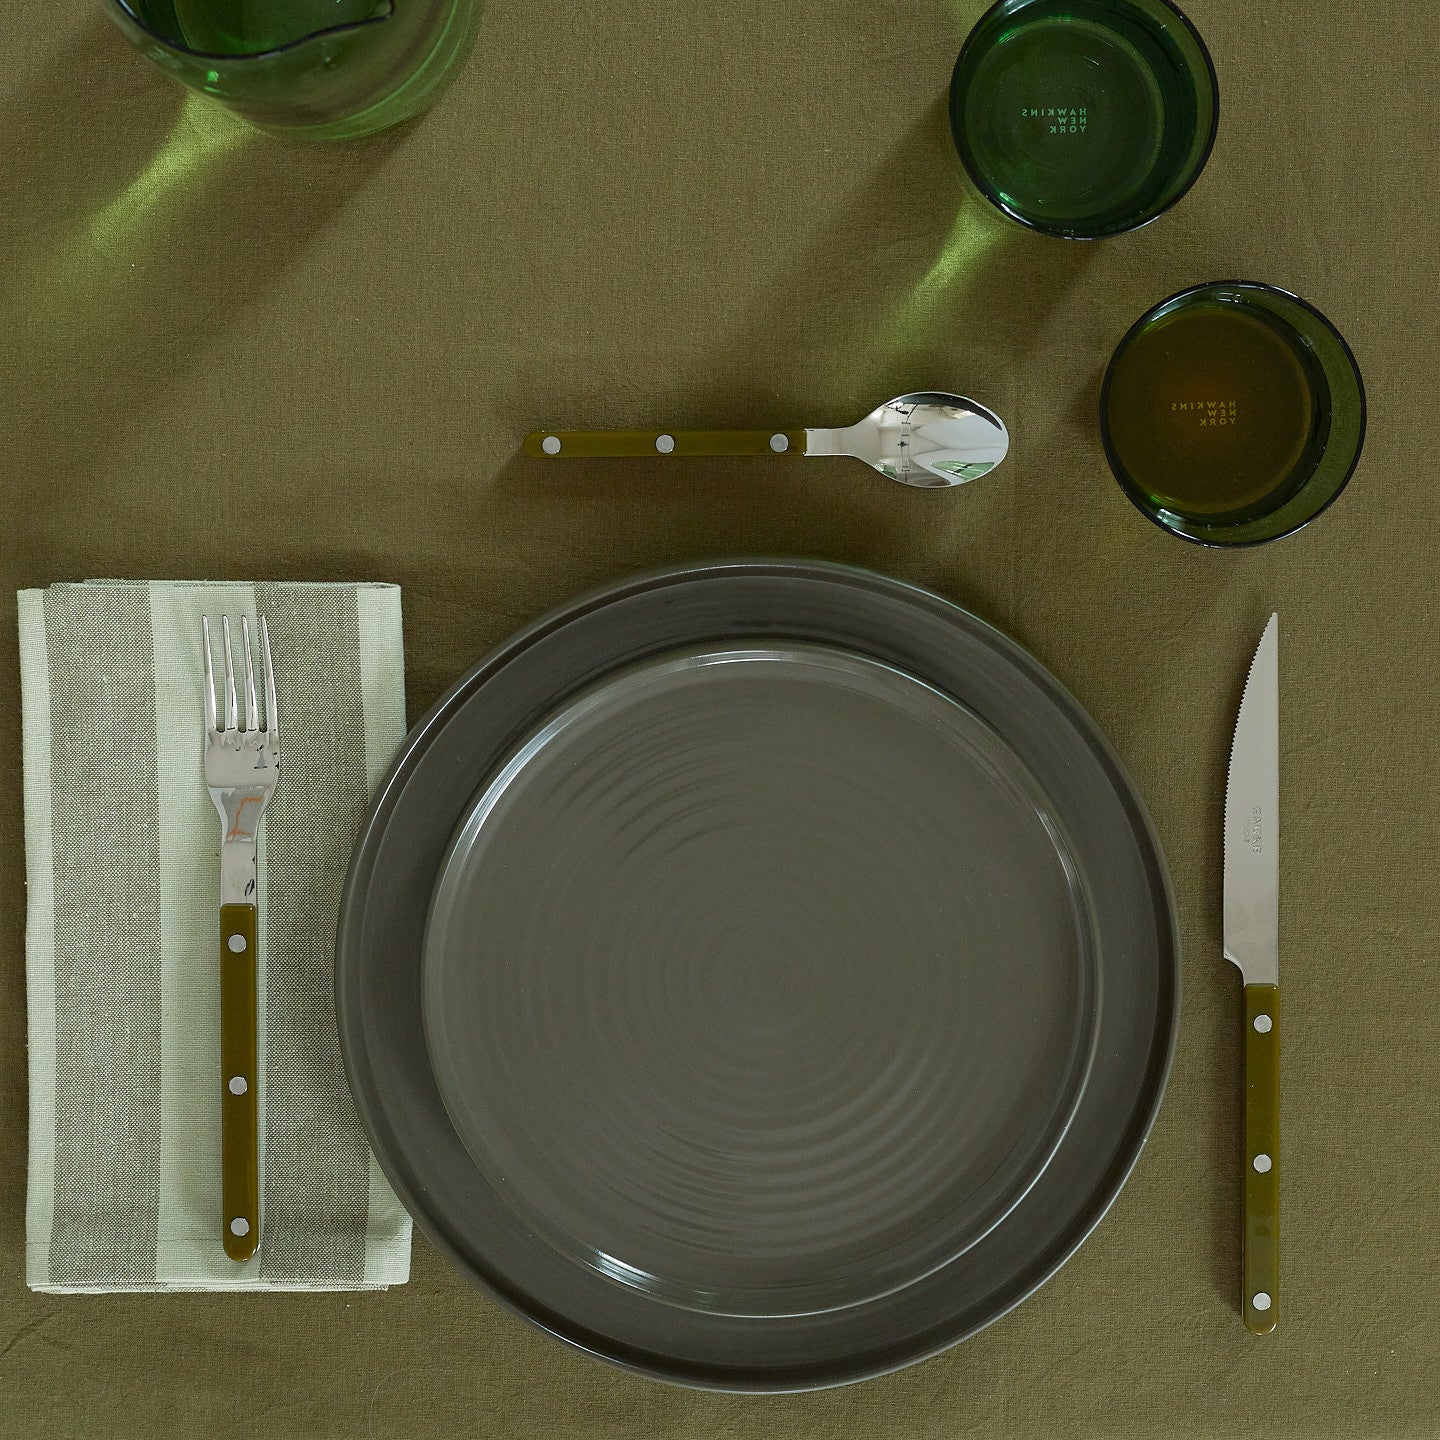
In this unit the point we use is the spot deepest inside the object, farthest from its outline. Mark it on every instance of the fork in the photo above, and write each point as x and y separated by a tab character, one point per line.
242	764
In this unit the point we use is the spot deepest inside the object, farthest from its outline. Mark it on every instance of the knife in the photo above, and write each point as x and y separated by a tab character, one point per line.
1252	943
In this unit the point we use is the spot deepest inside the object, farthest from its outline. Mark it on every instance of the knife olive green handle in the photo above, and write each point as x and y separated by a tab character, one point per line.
1260	1264
239	1115
611	444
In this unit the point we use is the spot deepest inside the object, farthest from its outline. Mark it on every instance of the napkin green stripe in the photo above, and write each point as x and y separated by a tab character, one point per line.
105	836
311	1130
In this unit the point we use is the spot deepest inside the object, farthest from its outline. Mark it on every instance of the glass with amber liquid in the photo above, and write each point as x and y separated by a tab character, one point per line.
1232	413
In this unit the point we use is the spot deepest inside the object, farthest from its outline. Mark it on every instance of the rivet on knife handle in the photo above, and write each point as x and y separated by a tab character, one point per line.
239	1129
1260	1265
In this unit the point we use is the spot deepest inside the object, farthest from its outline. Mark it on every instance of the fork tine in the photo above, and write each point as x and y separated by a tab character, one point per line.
209	675
252	711
272	717
232	720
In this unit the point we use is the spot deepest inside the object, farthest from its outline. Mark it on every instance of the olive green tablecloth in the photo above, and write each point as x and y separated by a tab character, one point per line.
229	356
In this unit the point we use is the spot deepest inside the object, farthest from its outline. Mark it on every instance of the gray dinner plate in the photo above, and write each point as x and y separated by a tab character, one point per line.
781	950
761	975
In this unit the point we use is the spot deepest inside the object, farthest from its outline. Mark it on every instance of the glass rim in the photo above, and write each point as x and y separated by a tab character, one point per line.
1040	227
1128	488
127	9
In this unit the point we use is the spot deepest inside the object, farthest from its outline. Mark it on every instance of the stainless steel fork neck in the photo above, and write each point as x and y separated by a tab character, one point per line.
239	806
239	873
239	809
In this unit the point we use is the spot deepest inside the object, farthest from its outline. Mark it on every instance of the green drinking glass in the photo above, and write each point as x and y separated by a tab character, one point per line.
325	69
1232	413
1084	118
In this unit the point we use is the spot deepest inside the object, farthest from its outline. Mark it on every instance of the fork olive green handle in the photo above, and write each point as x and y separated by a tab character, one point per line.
1260	1264
612	444
239	1115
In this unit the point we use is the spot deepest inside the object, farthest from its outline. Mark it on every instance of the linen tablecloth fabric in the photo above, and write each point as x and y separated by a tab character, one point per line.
122	853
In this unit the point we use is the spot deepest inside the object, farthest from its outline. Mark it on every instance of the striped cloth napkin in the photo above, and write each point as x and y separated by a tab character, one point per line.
122	851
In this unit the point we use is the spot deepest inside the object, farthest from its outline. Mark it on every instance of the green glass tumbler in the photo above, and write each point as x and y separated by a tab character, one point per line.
1232	413
323	69
1084	118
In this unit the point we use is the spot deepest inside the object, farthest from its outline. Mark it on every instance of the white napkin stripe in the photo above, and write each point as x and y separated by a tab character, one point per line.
39	934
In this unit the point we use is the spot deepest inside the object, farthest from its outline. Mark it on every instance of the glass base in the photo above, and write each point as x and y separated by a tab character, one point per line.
413	97
338	83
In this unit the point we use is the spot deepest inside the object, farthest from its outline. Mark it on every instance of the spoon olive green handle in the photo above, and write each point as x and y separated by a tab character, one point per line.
239	1114
1260	1263
610	444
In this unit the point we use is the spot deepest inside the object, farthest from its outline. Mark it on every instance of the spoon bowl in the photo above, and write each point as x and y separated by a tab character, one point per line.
928	438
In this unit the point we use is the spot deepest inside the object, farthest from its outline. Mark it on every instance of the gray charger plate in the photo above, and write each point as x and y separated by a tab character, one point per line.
840	1084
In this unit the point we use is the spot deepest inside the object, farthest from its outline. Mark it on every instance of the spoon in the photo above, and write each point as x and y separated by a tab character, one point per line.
928	438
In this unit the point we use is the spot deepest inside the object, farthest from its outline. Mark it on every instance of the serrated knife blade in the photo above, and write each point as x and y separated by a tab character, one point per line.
1252	943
